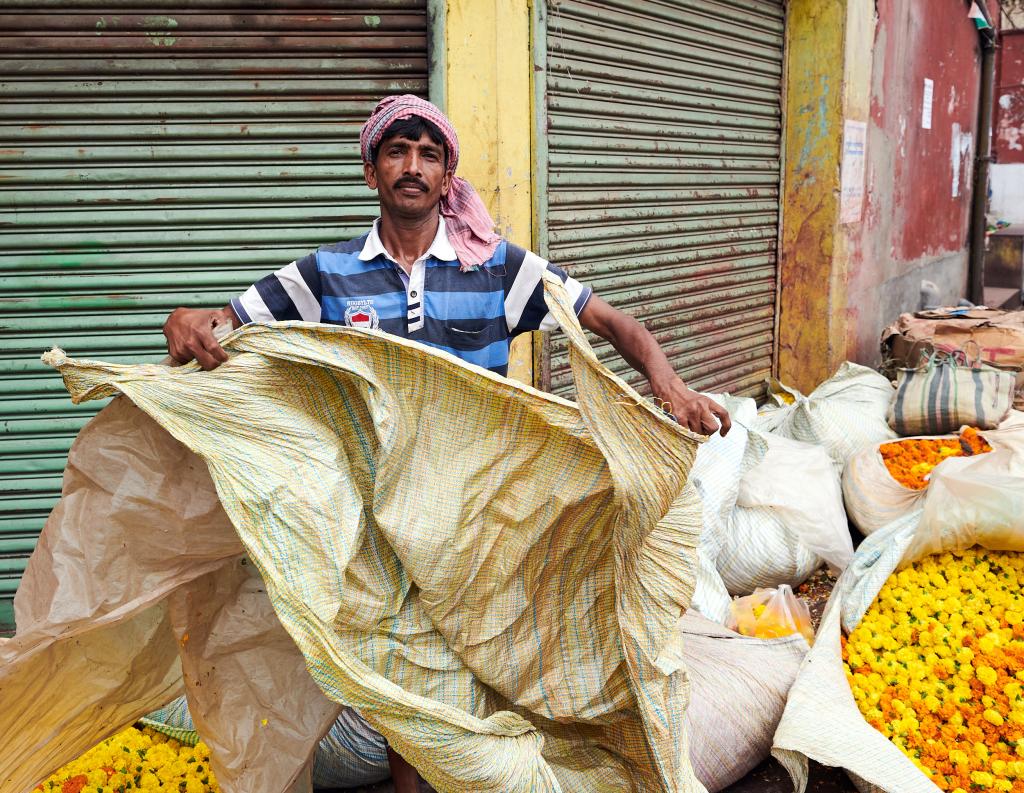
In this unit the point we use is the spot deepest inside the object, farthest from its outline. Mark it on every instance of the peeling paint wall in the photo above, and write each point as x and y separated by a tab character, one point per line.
1009	124
815	31
918	179
1007	201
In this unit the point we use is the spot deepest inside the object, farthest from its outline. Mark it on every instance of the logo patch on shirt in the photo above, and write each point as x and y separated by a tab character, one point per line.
361	314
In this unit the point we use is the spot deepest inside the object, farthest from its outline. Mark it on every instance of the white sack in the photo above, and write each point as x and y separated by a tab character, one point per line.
716	474
738	688
788	518
874	499
844	414
977	501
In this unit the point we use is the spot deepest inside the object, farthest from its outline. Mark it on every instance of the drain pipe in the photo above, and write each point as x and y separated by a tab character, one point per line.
979	198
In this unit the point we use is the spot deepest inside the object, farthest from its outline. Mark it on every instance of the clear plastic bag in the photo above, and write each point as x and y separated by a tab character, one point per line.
771	614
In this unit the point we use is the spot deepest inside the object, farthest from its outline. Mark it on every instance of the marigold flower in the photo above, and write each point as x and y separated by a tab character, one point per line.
910	461
940	666
136	760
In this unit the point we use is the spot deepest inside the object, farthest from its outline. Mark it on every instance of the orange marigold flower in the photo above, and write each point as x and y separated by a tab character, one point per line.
947	683
910	461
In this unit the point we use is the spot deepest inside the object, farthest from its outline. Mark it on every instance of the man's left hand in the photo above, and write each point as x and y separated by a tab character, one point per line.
694	411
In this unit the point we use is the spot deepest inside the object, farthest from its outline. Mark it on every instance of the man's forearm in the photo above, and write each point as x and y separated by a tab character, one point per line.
228	315
641	350
630	339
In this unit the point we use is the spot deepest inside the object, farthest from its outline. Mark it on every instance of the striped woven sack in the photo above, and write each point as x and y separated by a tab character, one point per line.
948	392
491	576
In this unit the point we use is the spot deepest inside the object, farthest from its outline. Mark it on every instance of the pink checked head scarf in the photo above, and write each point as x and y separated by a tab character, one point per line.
468	223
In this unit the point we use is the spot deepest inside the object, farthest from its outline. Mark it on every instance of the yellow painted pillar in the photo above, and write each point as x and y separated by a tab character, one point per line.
827	81
488	97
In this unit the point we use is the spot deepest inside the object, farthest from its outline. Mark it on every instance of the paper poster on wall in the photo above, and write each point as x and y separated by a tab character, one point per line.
851	179
926	105
961	147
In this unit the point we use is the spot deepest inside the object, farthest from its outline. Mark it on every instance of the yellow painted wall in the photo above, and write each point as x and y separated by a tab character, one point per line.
827	80
489	100
815	31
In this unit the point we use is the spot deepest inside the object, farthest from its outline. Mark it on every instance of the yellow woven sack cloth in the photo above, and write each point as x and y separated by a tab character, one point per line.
491	575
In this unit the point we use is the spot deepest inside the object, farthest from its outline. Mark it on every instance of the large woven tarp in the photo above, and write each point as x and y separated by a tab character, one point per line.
492	576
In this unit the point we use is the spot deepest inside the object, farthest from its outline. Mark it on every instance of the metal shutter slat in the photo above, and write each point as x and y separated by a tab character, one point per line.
147	144
662	171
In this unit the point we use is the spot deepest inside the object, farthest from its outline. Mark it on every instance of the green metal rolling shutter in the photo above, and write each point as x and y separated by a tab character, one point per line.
659	177
156	154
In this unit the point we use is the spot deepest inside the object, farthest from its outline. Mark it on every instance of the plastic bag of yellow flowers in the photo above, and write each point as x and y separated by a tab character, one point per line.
928	692
771	614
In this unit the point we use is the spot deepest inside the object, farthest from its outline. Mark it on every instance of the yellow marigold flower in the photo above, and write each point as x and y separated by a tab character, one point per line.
937	625
988	643
136	760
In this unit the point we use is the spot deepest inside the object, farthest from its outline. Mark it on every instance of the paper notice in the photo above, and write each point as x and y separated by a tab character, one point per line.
926	105
851	179
960	151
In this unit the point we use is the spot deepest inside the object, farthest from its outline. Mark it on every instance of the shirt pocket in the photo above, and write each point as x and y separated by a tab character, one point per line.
470	334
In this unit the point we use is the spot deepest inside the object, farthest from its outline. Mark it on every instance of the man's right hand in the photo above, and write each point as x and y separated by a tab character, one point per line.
189	333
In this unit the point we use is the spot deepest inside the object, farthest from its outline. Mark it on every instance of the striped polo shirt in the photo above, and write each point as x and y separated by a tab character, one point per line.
472	315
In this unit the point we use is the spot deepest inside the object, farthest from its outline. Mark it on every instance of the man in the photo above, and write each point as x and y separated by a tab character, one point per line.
415	272
431	269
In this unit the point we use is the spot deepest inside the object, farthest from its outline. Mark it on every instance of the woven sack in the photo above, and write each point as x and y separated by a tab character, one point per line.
872	497
788	520
738	688
970	501
844	414
412	530
948	392
716	474
734	710
763	552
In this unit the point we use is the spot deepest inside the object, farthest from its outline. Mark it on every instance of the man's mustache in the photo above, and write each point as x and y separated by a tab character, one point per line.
409	182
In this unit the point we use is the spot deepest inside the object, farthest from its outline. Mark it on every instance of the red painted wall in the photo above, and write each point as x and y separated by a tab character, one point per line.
1009	123
918	181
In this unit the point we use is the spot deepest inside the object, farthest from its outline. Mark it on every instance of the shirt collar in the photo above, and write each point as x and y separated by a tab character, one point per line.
440	248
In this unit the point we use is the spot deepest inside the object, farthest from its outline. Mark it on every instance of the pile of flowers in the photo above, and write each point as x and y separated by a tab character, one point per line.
910	461
937	666
137	760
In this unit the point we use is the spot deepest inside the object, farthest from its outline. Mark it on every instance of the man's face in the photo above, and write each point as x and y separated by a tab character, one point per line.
409	176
